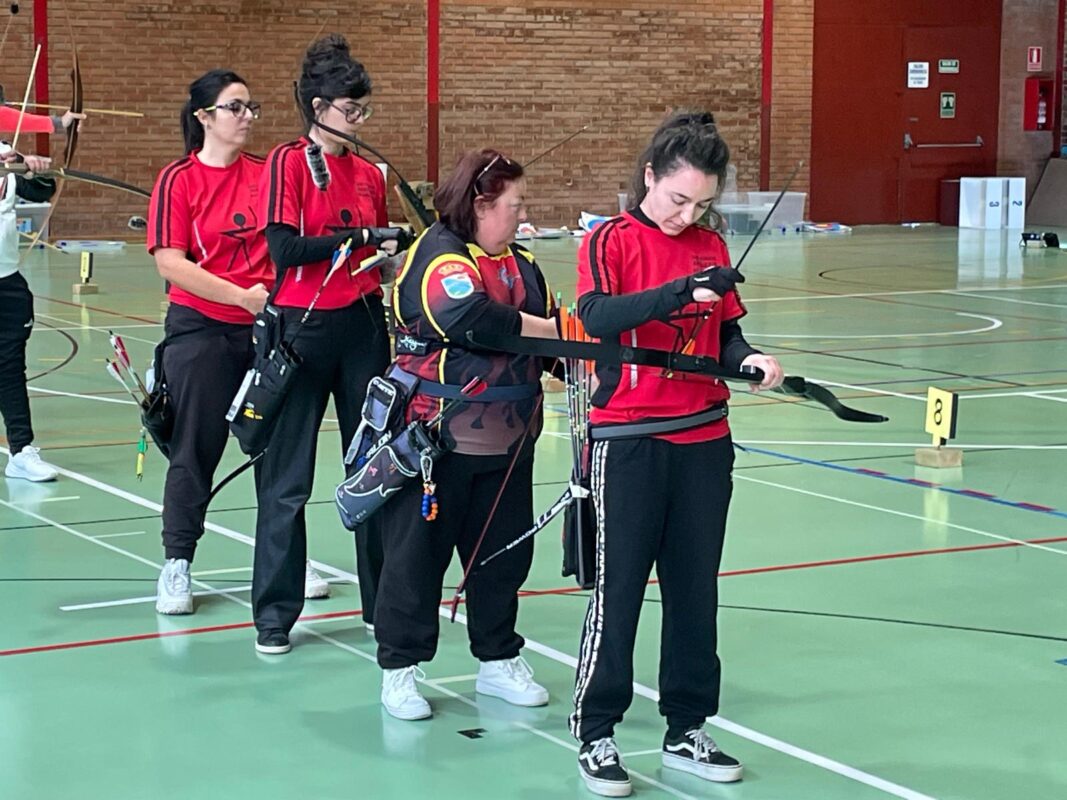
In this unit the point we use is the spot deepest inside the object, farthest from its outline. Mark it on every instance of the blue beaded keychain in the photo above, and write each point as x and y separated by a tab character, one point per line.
429	490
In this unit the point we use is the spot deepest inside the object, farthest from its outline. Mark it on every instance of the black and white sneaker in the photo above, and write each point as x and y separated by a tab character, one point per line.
601	767
696	752
273	642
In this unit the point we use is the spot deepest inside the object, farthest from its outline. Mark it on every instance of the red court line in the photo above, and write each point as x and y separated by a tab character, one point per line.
536	593
140	637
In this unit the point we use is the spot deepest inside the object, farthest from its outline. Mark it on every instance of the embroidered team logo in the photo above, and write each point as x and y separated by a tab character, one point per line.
458	286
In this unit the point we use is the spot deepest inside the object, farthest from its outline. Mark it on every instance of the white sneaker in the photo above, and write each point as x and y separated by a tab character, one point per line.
511	680
27	464
401	696
315	586
173	595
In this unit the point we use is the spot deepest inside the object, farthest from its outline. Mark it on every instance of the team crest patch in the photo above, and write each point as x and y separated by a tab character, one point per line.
458	286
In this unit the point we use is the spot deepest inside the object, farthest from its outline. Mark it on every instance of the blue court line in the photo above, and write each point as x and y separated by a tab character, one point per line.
1062	661
885	476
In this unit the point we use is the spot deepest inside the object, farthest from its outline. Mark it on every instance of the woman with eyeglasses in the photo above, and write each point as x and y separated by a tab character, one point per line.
464	274
654	276
204	236
317	197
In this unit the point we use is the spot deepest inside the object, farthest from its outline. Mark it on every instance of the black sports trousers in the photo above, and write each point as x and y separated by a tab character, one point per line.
661	504
16	324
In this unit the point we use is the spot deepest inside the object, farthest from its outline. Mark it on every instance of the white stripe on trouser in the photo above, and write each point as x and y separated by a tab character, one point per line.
593	629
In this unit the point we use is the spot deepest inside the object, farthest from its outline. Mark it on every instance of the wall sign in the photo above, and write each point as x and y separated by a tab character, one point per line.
1033	59
918	74
948	105
948	66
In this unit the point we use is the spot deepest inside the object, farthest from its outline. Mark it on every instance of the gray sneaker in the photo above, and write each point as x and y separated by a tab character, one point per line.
173	593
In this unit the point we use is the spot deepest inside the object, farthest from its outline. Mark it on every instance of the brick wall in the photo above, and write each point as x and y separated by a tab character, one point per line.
516	76
794	25
1025	23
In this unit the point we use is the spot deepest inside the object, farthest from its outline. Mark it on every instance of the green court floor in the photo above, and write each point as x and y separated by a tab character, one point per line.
886	630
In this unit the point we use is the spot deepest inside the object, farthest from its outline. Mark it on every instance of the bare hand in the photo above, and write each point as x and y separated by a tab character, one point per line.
772	371
70	117
705	296
36	164
254	298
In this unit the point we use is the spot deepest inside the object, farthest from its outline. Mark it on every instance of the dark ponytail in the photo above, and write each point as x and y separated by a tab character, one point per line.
684	138
329	72
203	92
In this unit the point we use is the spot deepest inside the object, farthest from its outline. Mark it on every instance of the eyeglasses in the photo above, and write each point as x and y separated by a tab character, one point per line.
486	168
237	108
355	113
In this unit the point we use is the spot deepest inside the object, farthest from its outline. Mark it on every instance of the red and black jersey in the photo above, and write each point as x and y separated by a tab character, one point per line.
354	198
628	254
212	214
447	287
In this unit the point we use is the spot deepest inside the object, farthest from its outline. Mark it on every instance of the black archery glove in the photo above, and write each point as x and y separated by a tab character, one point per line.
376	237
720	280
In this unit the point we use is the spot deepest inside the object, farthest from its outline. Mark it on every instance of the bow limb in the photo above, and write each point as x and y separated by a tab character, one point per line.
76	103
414	210
796	386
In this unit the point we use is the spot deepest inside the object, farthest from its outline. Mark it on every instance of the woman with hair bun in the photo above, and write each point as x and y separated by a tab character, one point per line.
315	197
655	277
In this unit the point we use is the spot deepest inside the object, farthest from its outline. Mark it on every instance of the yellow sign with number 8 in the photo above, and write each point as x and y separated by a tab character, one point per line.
941	412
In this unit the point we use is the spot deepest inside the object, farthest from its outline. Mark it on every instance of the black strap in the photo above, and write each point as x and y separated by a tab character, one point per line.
657	425
492	394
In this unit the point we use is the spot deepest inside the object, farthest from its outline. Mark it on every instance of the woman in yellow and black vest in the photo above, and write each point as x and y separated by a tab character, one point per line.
464	274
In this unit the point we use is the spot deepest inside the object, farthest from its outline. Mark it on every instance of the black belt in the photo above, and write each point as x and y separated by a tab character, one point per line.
657	426
492	394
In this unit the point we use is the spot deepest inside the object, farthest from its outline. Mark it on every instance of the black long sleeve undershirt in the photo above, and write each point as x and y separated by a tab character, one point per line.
607	315
289	249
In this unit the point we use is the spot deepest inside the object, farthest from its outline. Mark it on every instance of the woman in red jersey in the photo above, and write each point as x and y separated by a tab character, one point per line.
317	195
654	277
203	233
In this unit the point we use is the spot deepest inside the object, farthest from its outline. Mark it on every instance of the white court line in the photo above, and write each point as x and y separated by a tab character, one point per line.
657	751
133	601
117	535
35	501
568	745
858	388
95	328
853	443
994	324
1021	392
116	400
1009	300
920	517
861	295
92	540
226	571
549	652
366	656
75	327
